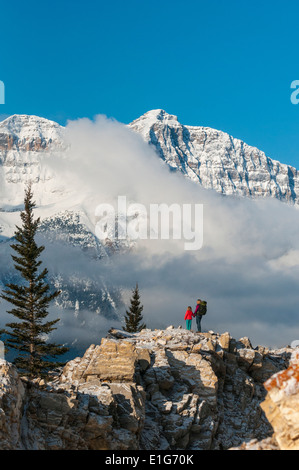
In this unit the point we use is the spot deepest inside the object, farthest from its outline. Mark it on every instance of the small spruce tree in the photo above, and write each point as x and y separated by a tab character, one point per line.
133	317
30	299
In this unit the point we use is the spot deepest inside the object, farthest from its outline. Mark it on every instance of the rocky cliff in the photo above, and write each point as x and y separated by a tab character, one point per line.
162	389
282	405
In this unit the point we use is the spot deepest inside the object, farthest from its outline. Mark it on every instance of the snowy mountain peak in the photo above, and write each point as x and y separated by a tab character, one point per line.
160	115
149	119
24	141
24	126
216	160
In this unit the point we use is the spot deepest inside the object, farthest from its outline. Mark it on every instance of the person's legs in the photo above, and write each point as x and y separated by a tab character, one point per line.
198	323
188	324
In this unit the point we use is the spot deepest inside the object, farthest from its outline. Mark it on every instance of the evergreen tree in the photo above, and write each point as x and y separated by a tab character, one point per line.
134	316
30	299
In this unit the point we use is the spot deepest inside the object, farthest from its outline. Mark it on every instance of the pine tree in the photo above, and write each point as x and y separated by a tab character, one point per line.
134	316
30	299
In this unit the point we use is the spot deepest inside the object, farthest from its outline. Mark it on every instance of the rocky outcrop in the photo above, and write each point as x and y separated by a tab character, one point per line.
281	408
12	395
95	404
269	443
282	405
162	389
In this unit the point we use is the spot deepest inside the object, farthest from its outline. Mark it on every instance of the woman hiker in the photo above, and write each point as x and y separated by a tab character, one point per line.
198	316
188	317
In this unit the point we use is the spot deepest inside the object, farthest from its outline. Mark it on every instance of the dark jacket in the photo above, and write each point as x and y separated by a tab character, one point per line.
197	310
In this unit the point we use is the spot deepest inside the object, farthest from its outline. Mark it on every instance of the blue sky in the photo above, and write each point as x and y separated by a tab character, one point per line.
226	64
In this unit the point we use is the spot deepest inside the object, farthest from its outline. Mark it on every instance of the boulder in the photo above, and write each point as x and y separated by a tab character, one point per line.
113	361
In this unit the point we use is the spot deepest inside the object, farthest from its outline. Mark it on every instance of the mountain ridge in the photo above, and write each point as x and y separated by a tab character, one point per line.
217	160
211	157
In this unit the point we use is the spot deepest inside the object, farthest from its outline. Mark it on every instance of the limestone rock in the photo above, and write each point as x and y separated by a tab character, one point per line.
153	390
224	341
113	361
282	405
266	444
11	402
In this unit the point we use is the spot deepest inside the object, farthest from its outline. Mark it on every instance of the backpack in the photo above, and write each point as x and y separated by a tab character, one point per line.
203	307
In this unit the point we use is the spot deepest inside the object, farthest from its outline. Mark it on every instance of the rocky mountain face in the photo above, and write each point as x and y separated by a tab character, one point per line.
24	141
282	405
217	160
157	390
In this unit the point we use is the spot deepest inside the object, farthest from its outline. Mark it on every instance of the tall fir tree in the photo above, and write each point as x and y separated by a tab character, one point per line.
133	317
30	298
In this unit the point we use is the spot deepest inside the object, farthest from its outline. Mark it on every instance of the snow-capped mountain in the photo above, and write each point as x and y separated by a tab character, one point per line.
210	157
24	142
217	160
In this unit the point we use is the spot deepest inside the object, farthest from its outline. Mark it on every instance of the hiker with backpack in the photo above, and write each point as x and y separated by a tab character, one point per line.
200	310
188	317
